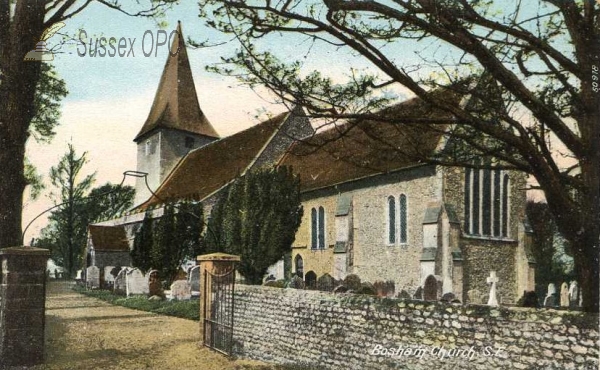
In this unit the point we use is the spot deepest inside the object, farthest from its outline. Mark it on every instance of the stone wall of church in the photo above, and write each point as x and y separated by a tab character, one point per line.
317	330
482	255
374	259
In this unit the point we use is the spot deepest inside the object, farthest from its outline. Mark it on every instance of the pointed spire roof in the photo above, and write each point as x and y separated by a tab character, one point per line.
176	105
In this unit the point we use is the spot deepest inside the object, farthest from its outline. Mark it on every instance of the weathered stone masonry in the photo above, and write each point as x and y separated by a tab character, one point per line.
330	331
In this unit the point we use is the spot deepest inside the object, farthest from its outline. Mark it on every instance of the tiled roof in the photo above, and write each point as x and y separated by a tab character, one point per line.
207	169
367	148
175	104
109	238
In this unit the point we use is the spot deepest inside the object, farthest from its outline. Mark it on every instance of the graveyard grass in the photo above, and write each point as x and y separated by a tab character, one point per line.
184	309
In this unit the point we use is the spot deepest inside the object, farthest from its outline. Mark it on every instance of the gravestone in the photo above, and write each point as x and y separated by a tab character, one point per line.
564	295
296	283
109	279
418	294
573	294
550	300
136	282
404	294
311	280
120	286
181	290
326	283
385	288
154	284
92	279
432	289
448	297
352	282
194	276
492	279
474	296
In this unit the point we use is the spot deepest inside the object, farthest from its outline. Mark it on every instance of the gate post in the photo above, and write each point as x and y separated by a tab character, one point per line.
212	264
22	305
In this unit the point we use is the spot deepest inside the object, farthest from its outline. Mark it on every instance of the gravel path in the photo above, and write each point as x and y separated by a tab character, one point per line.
87	333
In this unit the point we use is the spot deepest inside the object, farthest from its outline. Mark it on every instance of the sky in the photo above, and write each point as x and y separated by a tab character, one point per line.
109	98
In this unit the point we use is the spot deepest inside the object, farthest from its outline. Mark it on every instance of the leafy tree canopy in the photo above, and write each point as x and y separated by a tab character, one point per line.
257	219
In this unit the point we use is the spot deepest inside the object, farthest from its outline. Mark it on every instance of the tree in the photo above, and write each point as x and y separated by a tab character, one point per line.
66	234
22	23
257	219
551	260
71	191
537	104
164	243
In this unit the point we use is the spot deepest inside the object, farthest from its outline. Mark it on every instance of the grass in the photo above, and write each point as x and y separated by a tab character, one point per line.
184	309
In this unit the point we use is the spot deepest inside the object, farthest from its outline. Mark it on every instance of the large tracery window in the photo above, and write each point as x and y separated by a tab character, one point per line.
486	202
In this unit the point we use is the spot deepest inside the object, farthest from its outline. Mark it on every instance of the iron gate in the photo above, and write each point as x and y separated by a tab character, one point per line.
218	311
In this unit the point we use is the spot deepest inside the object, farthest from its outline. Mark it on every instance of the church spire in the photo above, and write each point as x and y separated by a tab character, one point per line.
176	105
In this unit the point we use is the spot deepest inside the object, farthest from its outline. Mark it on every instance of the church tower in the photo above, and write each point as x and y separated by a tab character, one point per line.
175	124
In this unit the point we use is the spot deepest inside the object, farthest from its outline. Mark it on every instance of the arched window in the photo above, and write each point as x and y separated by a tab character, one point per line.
321	228
486	202
403	219
391	224
317	229
299	266
313	228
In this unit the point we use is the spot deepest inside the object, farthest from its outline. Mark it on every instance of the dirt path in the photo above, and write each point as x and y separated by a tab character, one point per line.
86	333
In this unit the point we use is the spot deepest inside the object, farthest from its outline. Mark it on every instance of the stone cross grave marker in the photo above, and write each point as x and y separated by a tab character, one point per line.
92	277
573	293
492	279
136	282
181	290
194	277
550	300
564	295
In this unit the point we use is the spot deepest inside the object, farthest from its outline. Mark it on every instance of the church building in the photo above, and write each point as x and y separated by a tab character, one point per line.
371	207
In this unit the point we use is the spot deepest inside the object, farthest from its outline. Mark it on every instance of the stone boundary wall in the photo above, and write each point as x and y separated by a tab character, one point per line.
326	331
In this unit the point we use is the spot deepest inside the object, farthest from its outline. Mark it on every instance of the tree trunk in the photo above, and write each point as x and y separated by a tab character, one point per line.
17	88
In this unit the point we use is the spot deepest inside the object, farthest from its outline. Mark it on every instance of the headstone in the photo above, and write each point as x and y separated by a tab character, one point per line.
352	282
78	275
573	293
404	294
297	282
311	280
492	279
92	277
181	290
430	290
194	276
550	300
564	295
154	284
448	297
385	288
136	282
120	286
326	283
418	293
109	279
